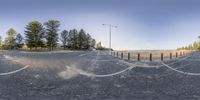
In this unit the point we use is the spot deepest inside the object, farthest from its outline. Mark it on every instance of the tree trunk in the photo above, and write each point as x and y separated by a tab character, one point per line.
35	48
64	47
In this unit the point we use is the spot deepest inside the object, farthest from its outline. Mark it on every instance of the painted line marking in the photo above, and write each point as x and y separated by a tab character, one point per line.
81	72
182	72
12	72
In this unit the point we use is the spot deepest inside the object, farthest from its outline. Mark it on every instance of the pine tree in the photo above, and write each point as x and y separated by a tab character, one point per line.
0	42
93	42
195	45
19	41
52	28
70	38
73	39
88	41
82	39
64	38
199	42
34	33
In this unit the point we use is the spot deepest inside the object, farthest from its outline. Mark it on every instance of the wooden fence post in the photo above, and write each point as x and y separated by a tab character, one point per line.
180	53
138	56
150	57
128	56
117	54
176	54
122	55
161	56
170	55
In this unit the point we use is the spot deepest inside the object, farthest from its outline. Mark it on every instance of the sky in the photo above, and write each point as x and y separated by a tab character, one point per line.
142	24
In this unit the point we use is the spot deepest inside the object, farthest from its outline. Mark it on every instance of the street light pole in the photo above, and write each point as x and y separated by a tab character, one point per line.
110	31
110	39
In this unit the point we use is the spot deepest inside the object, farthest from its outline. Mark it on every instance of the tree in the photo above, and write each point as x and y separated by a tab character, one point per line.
64	38
73	39
93	42
34	33
0	42
10	39
70	38
82	39
52	28
199	42
195	45
19	41
88	41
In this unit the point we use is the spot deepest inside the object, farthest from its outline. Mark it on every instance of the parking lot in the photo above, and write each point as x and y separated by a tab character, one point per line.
95	75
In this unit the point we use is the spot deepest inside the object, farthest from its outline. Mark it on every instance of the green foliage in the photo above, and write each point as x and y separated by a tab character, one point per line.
34	33
194	46
38	36
64	38
73	39
88	41
10	39
93	42
0	42
19	41
52	28
80	40
103	48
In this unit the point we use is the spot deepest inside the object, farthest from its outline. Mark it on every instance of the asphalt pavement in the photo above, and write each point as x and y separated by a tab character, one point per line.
57	76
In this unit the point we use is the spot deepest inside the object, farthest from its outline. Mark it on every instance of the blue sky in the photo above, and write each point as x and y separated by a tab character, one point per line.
142	24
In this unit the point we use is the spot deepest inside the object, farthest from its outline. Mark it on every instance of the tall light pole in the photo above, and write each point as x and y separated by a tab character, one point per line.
110	31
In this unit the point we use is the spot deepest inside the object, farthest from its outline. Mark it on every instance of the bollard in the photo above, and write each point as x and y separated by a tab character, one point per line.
114	53
183	53
150	57
170	56
122	55
180	53
128	56
161	56
138	56
176	54
117	54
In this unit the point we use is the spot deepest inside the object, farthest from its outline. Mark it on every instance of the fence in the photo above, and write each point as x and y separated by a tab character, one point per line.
150	55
